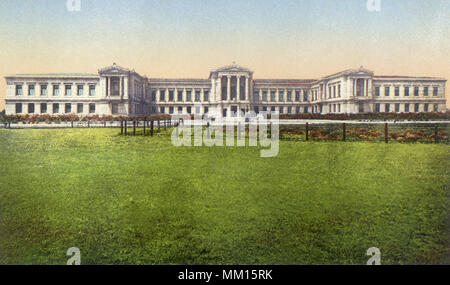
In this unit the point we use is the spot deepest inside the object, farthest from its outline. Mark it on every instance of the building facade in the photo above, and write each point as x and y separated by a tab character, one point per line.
229	91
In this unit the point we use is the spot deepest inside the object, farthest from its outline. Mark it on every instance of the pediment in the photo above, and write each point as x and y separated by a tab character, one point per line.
113	69
231	69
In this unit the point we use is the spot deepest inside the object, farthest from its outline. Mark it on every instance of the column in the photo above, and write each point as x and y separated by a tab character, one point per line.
228	87
109	86
238	87
354	87
246	88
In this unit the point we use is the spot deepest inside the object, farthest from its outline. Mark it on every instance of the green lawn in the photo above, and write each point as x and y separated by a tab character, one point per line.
139	200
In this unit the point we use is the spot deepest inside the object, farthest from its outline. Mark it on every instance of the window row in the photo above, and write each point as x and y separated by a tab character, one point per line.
44	90
407	91
179	95
69	108
262	95
407	107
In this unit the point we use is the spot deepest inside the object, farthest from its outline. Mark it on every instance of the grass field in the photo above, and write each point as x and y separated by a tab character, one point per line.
139	200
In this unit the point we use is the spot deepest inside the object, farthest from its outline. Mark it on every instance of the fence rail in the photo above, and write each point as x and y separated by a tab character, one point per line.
288	130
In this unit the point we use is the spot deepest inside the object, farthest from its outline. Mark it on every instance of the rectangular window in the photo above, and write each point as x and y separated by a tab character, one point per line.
92	108
397	91
162	110
406	107
18	108
180	96
43	90
339	108
256	96
387	107
425	91
55	108
264	109
435	107
162	95
377	108
19	91
297	95
289	110
80	90
425	107
189	109
435	91
377	91
189	96
180	110
206	110
171	96
406	91
289	96
264	96
281	95
170	110
68	108
80	108
55	90
115	86
329	92
305	110
205	95
416	107
272	96
91	90
387	91
68	91
273	109
43	108
339	92
31	108
197	96
31	90
197	109
115	108
305	96
416	91
397	107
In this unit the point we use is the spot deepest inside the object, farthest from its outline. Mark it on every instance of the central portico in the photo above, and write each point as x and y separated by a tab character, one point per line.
231	89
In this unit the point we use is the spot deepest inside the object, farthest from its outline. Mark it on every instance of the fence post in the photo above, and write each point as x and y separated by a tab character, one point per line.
121	127
343	132
134	127
165	124
104	124
89	124
436	137
386	133
71	123
151	127
126	126
307	131
145	122
159	125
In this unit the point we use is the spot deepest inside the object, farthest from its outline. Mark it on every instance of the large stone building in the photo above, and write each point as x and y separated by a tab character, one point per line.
228	91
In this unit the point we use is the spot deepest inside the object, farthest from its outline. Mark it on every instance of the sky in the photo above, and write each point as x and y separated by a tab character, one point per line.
188	38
